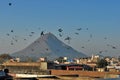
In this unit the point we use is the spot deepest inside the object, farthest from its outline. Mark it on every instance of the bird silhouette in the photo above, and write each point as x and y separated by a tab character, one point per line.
42	33
68	39
60	35
30	35
10	4
8	34
86	28
32	32
82	47
12	43
105	38
114	47
60	30
79	29
12	31
76	33
90	35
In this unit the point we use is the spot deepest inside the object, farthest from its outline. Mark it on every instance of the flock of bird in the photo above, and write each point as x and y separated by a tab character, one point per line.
60	34
68	38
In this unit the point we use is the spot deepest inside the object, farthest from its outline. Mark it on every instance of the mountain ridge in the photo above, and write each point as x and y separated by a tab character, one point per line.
48	45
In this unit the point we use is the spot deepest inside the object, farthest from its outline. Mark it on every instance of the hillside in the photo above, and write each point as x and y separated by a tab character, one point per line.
48	46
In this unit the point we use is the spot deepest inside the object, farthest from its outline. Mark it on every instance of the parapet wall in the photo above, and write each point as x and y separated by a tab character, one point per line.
22	64
26	67
84	73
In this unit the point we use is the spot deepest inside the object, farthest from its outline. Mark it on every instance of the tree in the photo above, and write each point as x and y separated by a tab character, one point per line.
61	60
4	57
102	63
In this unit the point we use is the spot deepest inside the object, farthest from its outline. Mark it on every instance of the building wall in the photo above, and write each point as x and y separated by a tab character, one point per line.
83	73
26	67
43	66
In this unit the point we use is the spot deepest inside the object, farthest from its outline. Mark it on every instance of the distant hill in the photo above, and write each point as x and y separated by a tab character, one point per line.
48	46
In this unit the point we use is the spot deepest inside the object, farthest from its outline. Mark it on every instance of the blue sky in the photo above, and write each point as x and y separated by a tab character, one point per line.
101	17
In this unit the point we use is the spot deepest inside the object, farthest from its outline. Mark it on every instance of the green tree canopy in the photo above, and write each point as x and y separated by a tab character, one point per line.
102	63
61	59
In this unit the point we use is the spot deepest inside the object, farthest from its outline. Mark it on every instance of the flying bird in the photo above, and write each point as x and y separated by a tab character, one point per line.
105	38
76	33
108	44
32	32
30	35
68	48
86	28
79	29
60	30
12	43
100	52
60	35
12	31
32	49
90	35
47	49
114	47
10	4
82	47
88	40
16	40
68	38
25	39
8	34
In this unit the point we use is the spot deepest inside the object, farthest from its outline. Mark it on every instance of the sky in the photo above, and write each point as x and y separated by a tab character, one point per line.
99	21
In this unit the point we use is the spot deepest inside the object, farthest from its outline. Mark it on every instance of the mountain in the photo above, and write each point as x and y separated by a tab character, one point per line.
48	45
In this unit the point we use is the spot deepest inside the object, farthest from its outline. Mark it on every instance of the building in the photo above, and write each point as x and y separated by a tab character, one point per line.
26	67
73	67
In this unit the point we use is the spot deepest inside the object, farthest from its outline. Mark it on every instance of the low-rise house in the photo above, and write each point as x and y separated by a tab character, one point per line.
27	67
73	67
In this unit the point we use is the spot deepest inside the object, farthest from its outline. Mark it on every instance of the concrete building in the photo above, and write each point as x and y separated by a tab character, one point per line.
26	67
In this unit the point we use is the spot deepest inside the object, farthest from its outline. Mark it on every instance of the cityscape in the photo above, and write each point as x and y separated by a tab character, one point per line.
59	40
44	66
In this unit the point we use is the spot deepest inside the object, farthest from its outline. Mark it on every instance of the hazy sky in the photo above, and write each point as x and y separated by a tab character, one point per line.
99	21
